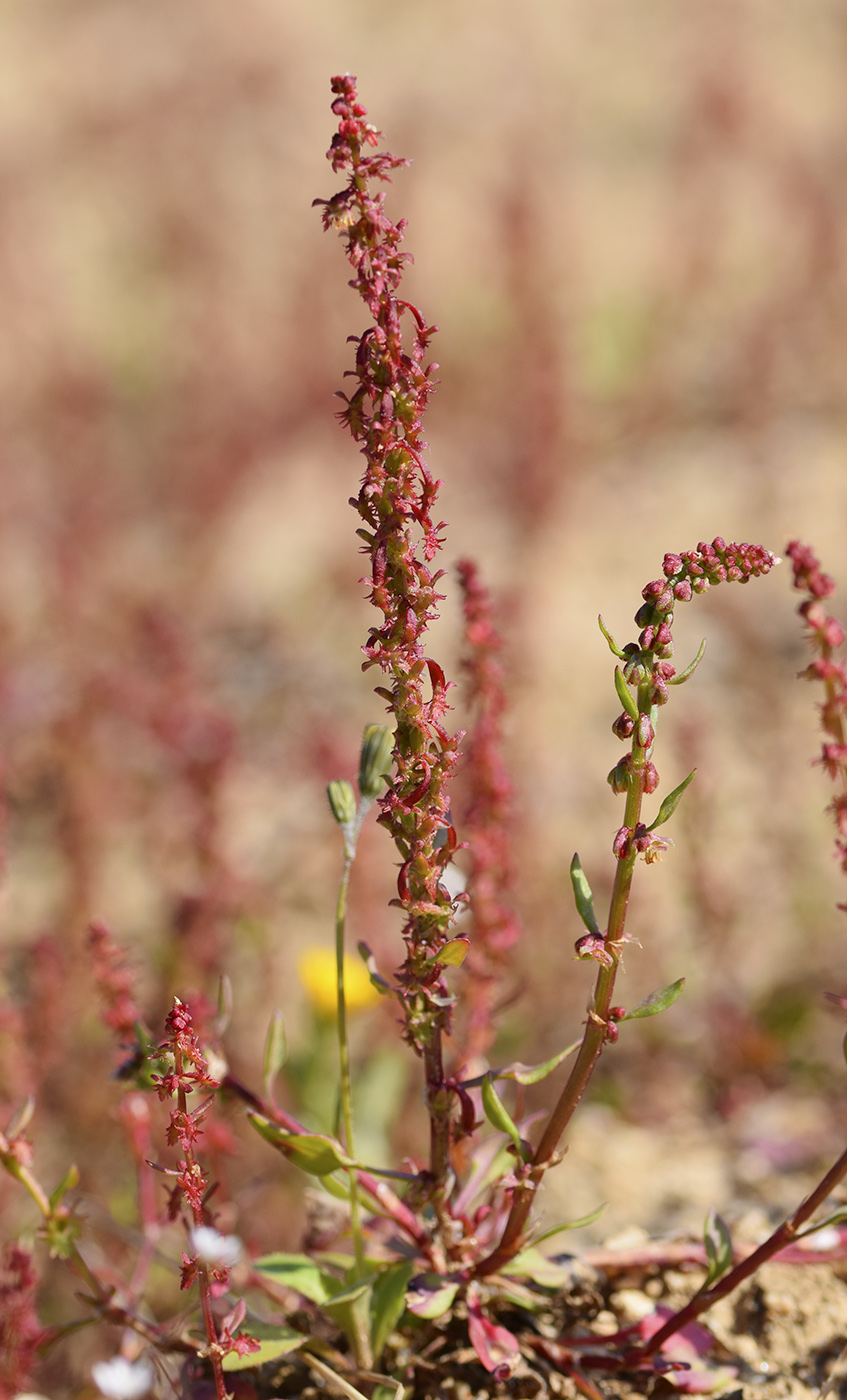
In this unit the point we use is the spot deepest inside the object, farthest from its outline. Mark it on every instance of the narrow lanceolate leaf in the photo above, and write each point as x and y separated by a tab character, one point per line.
496	1112
625	695
690	668
839	1217
452	954
718	1242
671	802
311	1152
583	897
613	646
579	1224
68	1182
533	1074
276	1052
656	1003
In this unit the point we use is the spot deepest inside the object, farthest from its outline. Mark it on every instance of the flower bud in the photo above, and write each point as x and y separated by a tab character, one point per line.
621	843
644	616
671	564
651	777
682	590
644	732
375	759
618	779
342	801
623	726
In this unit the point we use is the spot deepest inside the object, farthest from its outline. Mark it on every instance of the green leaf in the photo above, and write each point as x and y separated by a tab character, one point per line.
274	1341
583	897
495	1112
351	1292
276	1051
388	1303
337	1186
68	1182
531	1263
690	668
838	1217
657	1002
613	646
370	963
432	1297
533	1074
311	1152
718	1242
625	695
452	954
671	802
300	1273
570	1225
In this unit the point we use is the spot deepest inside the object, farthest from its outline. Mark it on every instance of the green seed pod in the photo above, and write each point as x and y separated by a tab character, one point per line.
342	801
375	759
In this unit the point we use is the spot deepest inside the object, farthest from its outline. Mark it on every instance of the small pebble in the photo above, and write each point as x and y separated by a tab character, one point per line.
631	1304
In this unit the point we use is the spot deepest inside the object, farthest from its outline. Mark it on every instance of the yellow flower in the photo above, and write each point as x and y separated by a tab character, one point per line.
316	970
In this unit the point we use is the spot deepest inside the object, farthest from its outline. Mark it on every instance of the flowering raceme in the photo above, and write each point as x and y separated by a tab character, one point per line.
826	635
401	538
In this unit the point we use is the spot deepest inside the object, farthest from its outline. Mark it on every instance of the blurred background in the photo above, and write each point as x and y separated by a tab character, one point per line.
629	224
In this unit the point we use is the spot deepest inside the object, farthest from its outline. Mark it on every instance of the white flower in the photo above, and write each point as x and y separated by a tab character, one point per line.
120	1379
213	1248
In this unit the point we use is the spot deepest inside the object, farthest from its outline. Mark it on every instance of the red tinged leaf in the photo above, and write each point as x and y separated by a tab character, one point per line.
496	1347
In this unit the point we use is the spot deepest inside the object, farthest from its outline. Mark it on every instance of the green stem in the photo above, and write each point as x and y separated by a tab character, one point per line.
351	836
512	1239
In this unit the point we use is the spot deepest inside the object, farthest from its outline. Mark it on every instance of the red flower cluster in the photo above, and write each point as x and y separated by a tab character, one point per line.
115	978
487	815
20	1329
396	502
190	1071
648	671
826	634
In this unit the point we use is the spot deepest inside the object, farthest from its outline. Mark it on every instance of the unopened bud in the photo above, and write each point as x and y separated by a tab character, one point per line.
375	759
644	732
618	779
651	777
623	726
621	844
342	801
645	615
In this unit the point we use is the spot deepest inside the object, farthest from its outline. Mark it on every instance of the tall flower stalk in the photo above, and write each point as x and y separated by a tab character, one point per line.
642	681
396	501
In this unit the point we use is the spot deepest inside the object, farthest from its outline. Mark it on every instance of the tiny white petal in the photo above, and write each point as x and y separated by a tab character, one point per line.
120	1379
214	1248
